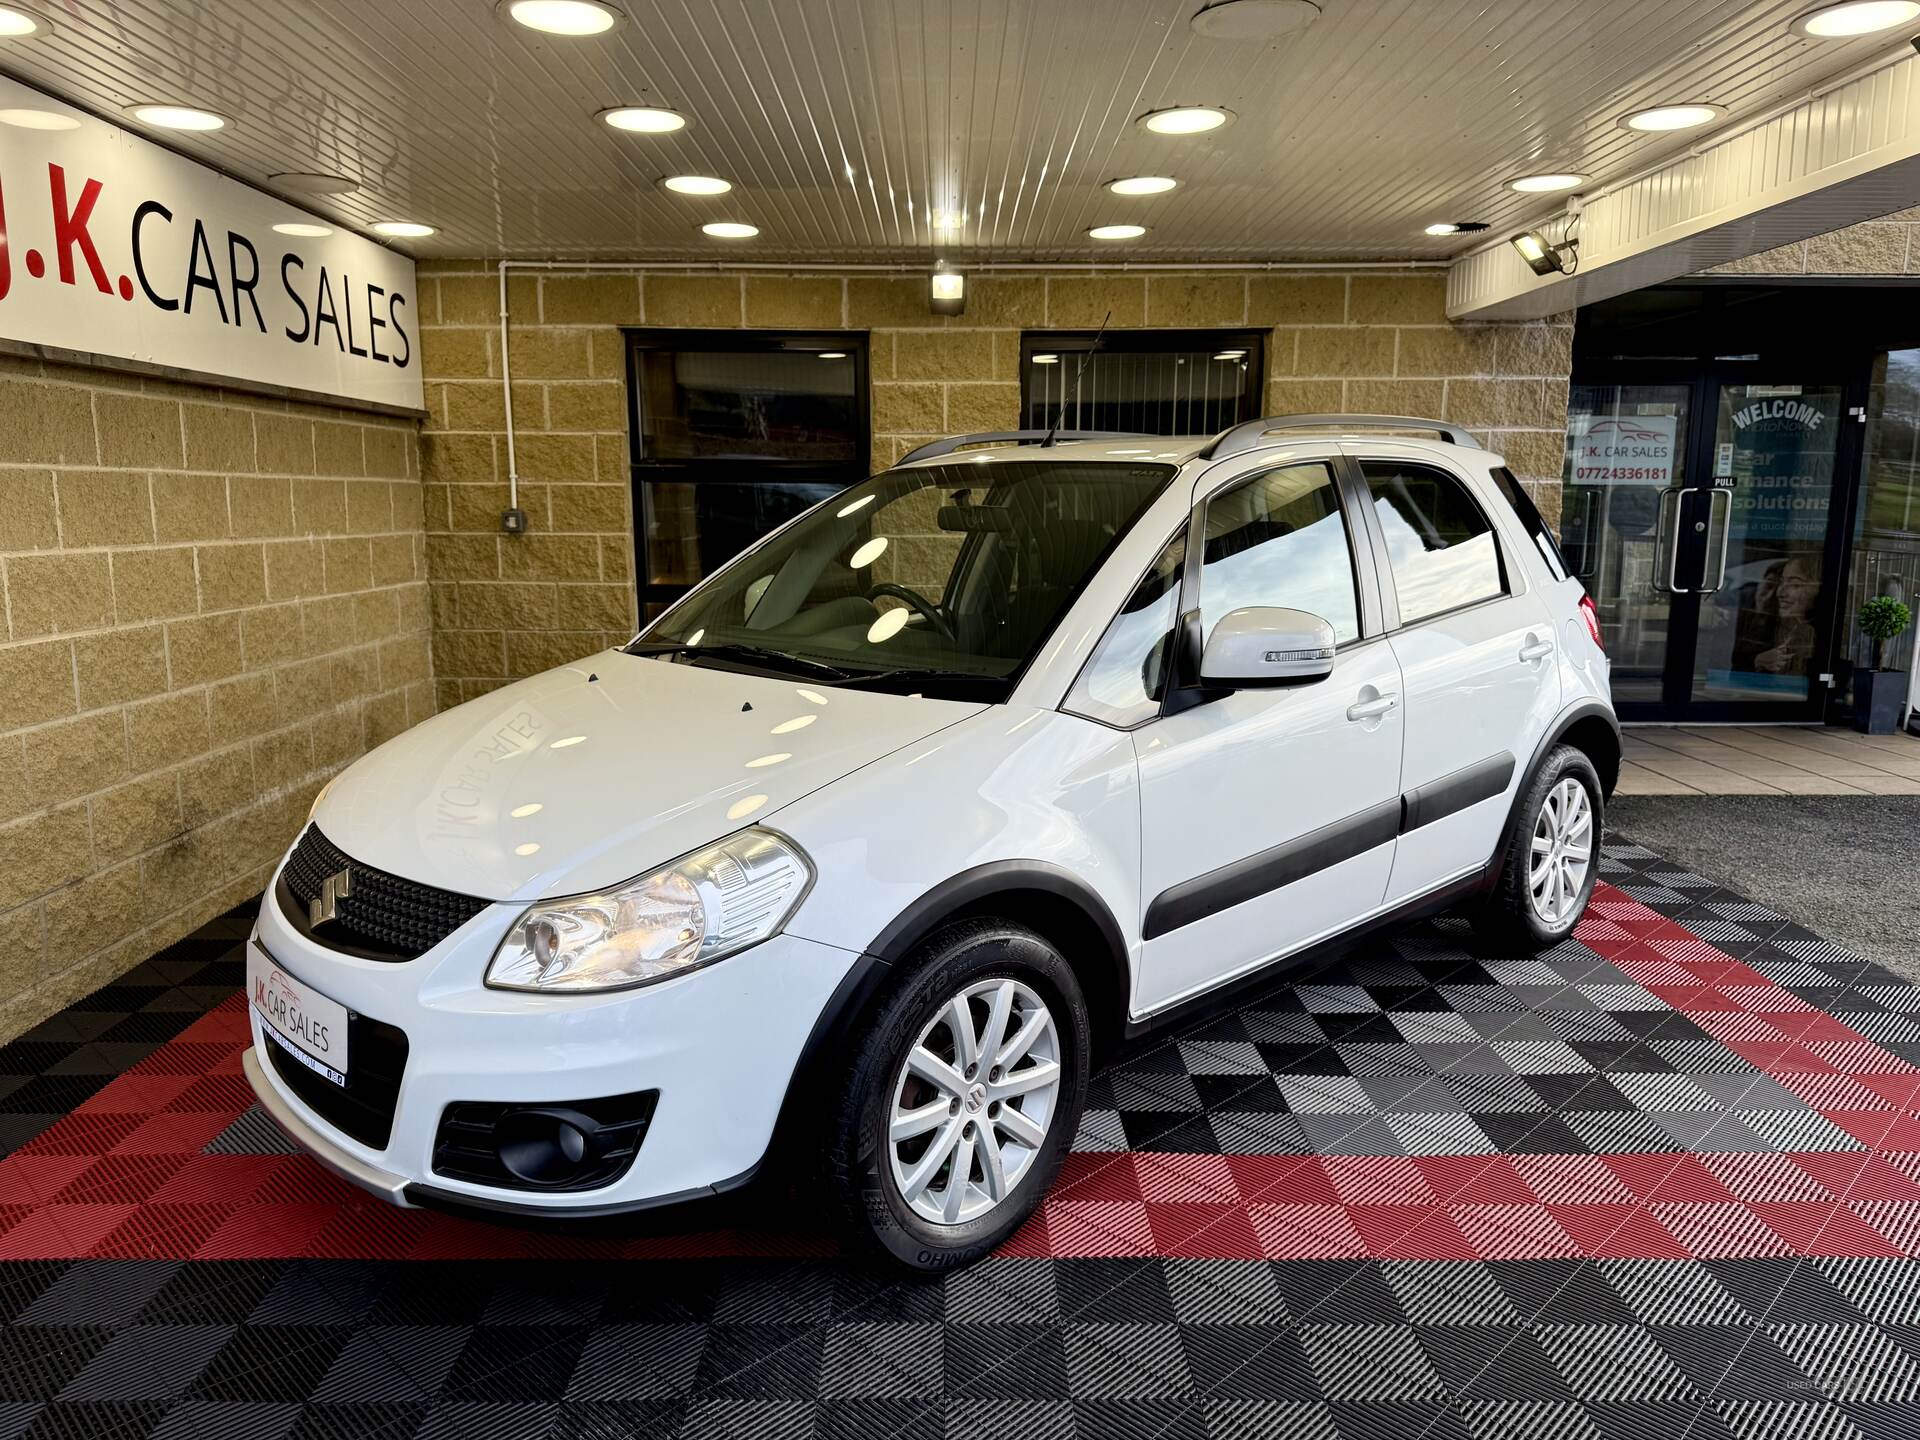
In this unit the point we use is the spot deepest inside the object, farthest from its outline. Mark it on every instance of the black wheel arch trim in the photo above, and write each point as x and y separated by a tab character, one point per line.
982	882
854	997
1556	733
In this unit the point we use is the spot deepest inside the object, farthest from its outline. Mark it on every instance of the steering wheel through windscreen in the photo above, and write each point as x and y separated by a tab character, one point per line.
935	616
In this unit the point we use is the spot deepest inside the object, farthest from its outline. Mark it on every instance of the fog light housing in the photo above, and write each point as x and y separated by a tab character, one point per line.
563	1145
546	1147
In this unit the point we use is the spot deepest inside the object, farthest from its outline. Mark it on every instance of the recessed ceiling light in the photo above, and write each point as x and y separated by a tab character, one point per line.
1142	185
1116	232
947	219
38	120
564	17
1046	359
402	229
1254	19
1673	117
1546	184
302	229
730	230
18	24
1185	120
1231	355
177	117
697	184
312	182
644	119
1857	17
834	355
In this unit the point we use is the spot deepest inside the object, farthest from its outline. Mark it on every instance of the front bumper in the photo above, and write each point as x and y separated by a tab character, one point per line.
720	1045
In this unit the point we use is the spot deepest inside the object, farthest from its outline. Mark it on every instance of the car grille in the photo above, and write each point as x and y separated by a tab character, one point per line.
382	916
363	1107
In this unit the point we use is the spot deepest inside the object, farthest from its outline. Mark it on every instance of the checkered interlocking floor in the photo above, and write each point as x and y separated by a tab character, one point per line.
1663	1181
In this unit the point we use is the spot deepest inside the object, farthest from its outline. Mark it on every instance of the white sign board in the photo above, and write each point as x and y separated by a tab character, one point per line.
1625	450
115	248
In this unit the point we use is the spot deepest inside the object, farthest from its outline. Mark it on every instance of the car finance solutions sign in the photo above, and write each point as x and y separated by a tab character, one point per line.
1624	450
116	249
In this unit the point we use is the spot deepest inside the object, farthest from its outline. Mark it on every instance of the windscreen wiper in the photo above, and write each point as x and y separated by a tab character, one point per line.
858	677
754	654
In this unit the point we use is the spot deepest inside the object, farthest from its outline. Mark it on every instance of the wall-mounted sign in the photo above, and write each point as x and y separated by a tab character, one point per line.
1625	450
113	248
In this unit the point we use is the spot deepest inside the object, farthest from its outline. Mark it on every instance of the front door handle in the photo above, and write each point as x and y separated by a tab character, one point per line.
1372	709
1535	650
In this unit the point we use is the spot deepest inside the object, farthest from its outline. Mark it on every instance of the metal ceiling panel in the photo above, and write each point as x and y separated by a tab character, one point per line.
1837	158
844	123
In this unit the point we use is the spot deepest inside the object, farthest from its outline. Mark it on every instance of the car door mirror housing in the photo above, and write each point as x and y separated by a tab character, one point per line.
1267	645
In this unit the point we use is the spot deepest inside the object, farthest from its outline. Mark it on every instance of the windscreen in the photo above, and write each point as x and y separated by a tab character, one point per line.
941	579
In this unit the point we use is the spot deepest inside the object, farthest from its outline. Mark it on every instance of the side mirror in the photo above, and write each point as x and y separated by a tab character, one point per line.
1267	645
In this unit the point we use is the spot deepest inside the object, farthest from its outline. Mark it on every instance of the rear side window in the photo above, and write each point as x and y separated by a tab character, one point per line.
1531	521
1440	545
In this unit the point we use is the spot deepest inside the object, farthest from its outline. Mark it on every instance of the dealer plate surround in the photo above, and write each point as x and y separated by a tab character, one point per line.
309	1026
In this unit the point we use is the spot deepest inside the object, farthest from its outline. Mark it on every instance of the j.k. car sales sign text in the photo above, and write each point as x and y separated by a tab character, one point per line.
114	247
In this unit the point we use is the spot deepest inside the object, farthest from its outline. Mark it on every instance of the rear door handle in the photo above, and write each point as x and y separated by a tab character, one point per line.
1372	709
1535	650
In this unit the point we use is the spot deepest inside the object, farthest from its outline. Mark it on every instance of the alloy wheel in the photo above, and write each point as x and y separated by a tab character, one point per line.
1561	852
973	1101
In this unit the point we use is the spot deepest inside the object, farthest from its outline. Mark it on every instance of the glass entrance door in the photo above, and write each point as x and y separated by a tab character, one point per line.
1752	545
1709	547
1626	456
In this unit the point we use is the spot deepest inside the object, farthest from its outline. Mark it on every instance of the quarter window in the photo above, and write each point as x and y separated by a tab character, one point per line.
1440	545
1280	539
1531	521
1124	681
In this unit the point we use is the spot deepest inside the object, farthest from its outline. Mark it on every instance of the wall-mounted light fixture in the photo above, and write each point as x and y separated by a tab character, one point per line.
947	292
1544	257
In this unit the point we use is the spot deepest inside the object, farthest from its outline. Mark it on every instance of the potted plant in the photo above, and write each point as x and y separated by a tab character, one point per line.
1880	696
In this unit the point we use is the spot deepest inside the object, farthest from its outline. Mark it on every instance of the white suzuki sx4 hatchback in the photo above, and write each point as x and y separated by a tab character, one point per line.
871	843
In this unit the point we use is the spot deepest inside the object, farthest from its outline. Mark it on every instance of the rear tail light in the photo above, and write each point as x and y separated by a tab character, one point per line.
1592	616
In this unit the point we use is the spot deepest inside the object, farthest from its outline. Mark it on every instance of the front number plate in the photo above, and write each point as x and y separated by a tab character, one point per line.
305	1023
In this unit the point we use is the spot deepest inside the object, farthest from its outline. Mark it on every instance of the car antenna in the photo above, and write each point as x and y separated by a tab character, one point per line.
1078	371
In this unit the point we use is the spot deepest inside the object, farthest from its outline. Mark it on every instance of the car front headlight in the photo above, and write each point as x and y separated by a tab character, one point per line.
710	905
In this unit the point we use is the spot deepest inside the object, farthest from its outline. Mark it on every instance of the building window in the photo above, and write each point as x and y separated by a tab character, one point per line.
1152	382
734	433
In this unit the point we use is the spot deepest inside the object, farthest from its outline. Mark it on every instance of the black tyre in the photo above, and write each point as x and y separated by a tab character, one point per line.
1549	860
961	1099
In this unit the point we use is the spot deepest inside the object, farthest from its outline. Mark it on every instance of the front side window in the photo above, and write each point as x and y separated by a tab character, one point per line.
1280	539
1440	546
1123	683
940	579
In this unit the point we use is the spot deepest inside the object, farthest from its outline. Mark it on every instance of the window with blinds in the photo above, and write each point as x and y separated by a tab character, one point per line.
1154	382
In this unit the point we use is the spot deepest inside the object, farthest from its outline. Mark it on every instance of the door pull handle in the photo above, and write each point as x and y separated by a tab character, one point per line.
1535	650
1372	709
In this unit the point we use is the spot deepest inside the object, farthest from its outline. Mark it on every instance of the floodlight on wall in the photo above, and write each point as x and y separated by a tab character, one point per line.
947	292
1544	257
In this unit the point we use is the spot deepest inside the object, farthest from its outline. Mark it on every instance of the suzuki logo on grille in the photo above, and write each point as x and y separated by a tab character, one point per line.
325	906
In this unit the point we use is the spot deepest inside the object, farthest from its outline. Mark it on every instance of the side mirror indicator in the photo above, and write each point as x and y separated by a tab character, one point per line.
1267	645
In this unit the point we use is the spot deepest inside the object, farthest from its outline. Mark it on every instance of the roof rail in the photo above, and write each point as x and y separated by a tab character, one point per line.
1251	434
1011	437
